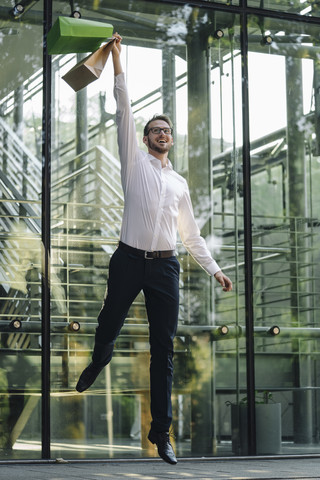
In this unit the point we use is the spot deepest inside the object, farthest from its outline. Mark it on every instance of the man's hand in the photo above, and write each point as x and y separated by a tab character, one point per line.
224	281
116	50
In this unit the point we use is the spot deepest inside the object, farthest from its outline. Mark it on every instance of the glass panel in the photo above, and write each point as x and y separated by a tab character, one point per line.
301	7
284	104
175	62
20	242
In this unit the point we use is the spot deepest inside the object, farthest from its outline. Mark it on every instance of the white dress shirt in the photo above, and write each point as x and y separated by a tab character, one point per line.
157	200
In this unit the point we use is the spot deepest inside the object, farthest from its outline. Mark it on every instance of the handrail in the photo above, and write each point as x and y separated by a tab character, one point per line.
22	169
115	166
217	332
21	145
68	177
103	180
34	222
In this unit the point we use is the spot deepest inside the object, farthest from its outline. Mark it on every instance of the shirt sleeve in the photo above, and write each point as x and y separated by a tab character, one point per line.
190	236
127	138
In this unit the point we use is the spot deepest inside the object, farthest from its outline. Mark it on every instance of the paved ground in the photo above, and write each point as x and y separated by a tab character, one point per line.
202	469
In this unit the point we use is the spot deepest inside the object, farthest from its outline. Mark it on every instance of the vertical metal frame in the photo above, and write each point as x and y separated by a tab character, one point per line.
45	233
250	370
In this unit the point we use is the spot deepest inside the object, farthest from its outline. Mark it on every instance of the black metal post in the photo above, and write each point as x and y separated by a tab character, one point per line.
248	241
45	224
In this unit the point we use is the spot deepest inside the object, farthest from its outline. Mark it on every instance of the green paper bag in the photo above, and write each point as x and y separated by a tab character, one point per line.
76	35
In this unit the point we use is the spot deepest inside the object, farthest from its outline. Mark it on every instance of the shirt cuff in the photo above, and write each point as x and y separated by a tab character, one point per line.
119	77
212	268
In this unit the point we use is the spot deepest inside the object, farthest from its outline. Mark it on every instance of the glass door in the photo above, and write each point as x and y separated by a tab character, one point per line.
185	62
284	136
20	231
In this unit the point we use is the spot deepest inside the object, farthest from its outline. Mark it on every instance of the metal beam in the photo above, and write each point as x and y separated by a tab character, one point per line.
45	230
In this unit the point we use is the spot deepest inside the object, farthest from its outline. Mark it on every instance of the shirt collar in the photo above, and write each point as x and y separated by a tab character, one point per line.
156	162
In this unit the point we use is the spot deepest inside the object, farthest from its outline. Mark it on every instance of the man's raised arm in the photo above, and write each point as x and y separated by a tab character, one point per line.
116	55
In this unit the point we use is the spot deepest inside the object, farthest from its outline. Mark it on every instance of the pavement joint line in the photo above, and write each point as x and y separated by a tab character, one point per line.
65	461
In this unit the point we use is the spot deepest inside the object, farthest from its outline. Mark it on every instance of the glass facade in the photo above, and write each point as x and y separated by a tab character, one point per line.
241	83
299	7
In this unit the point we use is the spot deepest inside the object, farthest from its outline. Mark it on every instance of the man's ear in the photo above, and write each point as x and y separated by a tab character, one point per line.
145	140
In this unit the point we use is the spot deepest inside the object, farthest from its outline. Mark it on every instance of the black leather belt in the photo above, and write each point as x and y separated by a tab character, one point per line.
145	254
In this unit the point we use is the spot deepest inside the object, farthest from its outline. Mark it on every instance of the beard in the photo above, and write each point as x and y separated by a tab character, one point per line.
157	147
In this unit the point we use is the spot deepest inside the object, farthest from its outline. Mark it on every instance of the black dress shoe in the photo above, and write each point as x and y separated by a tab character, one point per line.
165	450
87	377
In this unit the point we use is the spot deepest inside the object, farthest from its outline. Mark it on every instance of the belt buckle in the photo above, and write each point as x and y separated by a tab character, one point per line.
146	256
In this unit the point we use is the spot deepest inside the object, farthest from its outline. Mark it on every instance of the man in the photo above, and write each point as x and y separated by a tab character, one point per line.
157	204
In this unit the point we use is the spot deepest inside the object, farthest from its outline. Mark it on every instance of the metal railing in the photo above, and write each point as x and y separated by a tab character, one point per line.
19	166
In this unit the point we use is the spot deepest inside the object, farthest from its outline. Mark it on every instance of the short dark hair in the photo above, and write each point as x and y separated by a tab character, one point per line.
157	117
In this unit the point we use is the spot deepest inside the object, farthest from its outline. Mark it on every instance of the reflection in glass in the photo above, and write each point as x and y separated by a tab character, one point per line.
300	7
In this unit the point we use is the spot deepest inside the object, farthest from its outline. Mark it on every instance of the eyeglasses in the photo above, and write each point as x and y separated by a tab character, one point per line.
157	130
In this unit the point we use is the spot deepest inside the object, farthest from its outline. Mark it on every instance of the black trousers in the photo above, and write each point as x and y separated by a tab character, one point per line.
159	280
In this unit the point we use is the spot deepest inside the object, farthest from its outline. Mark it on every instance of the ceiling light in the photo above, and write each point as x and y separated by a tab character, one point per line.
17	10
21	8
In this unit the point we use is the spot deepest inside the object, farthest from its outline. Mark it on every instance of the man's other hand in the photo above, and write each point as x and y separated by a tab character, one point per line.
224	281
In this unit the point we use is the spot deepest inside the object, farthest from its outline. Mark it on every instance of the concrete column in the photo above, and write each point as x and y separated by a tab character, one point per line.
302	399
199	167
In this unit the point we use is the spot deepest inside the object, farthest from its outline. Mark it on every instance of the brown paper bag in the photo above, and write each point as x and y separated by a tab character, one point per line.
89	69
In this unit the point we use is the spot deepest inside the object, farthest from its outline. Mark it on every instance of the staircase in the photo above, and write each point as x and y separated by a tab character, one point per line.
89	184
